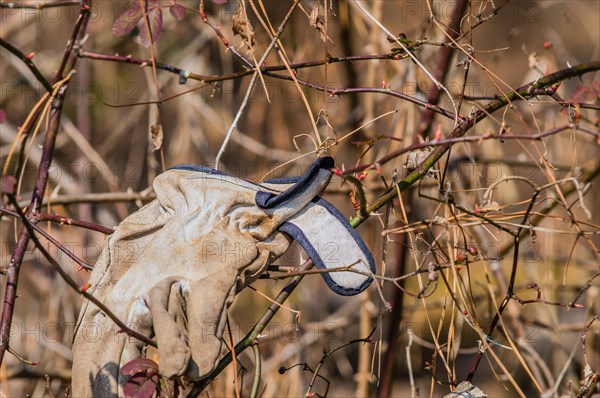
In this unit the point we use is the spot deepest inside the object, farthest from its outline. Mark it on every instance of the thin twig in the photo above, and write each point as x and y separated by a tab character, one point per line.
76	287
185	74
251	337
12	273
328	353
468	123
102	197
49	237
75	222
441	71
412	56
253	81
28	62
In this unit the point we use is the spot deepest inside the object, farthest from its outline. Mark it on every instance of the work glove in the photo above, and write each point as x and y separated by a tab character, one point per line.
171	270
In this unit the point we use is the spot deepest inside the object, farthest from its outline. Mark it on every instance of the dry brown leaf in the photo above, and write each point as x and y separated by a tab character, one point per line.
416	158
315	21
490	206
242	27
156	132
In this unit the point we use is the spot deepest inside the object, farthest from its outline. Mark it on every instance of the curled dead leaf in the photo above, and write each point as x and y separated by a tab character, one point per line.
315	21
490	205
242	27
416	158
156	133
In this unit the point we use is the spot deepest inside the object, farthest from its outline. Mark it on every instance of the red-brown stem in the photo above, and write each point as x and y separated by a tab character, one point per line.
48	237
12	273
423	128
78	30
215	78
28	62
30	230
57	218
454	140
360	90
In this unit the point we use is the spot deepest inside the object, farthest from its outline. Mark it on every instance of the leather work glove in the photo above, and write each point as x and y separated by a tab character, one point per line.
171	270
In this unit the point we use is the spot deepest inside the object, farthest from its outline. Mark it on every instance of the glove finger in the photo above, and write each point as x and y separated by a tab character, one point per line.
167	304
207	313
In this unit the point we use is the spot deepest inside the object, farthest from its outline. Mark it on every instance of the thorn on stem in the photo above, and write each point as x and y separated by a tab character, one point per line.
85	287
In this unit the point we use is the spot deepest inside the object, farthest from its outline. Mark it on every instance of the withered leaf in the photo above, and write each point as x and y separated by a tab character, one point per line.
416	157
316	22
242	27
156	133
490	205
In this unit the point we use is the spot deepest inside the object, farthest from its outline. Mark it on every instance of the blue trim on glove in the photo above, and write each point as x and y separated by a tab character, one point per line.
267	200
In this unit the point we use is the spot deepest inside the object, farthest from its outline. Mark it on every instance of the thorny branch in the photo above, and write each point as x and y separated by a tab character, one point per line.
60	84
12	274
27	61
